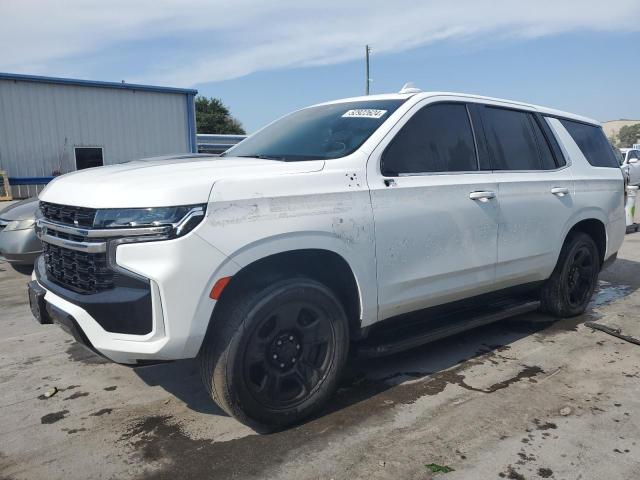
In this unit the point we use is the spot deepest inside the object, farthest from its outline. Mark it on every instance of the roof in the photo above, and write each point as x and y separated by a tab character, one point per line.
95	83
422	95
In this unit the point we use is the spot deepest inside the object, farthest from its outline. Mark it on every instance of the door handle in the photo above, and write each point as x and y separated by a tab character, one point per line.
560	191
483	196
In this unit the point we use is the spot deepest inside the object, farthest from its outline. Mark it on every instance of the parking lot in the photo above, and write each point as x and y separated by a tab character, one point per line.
523	398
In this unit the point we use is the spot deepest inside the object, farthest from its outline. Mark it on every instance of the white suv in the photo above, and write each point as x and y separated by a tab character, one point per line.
630	164
322	232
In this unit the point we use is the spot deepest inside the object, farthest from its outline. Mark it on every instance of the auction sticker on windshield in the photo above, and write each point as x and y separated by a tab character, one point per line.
364	113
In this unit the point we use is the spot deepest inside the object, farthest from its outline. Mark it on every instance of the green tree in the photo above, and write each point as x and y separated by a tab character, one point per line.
212	116
628	135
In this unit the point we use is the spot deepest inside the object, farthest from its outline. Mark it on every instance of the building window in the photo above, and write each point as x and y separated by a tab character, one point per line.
88	157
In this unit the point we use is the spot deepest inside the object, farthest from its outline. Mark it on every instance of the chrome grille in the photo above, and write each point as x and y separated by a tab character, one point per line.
81	272
68	215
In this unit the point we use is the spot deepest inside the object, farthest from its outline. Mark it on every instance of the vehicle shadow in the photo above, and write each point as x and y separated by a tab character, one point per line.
182	380
366	378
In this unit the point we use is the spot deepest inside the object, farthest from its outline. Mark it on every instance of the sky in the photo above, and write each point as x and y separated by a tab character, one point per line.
264	59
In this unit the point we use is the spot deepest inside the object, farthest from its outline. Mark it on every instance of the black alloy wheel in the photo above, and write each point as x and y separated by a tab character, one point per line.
567	292
289	352
580	276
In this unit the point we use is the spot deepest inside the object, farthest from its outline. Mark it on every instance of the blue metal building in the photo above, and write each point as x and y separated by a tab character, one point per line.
50	126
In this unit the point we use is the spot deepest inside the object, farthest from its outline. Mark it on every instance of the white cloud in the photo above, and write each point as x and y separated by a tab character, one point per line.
230	38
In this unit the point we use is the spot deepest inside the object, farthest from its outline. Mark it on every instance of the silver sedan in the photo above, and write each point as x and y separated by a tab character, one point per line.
18	241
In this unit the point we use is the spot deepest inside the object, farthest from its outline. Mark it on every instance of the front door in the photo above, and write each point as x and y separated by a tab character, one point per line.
435	211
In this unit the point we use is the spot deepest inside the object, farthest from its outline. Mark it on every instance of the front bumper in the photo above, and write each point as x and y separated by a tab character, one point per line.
180	275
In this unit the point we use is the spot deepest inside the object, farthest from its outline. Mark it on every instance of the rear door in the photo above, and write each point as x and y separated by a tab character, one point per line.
435	210
535	193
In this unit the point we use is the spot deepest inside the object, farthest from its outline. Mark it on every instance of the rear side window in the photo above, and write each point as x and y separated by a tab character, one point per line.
592	142
438	138
546	156
510	139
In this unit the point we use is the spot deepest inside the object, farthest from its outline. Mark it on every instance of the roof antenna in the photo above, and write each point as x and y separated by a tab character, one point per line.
409	87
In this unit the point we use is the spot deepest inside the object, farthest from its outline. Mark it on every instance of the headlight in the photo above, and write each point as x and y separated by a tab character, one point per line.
181	219
20	225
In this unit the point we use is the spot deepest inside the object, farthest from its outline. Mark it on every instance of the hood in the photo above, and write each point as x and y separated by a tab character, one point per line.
22	210
161	182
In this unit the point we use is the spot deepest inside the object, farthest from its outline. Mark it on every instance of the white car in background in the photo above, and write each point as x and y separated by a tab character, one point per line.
321	233
631	164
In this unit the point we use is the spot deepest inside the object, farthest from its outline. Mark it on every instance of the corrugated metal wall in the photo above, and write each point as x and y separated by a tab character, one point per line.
40	124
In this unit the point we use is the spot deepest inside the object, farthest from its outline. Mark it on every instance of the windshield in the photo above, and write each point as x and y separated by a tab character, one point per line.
317	133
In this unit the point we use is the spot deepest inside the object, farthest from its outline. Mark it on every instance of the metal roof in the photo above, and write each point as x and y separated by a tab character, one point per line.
95	83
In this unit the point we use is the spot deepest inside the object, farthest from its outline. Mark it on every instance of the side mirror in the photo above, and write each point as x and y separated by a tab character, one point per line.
632	160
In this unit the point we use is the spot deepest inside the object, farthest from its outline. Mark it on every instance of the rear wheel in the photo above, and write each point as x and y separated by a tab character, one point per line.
274	353
569	289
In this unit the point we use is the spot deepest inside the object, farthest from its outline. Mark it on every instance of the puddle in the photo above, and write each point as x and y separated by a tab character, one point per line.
607	293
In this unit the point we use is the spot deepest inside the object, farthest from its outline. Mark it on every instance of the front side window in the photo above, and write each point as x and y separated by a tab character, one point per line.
592	143
510	139
438	138
317	133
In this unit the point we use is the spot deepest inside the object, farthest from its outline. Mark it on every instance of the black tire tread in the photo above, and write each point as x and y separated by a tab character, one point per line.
229	322
551	297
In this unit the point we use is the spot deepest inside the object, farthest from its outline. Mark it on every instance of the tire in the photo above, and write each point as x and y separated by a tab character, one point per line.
569	289
275	353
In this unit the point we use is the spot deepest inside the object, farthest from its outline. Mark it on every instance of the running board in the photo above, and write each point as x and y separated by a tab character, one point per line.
414	338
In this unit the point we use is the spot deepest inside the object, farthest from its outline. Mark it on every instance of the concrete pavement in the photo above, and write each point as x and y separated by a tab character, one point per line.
523	398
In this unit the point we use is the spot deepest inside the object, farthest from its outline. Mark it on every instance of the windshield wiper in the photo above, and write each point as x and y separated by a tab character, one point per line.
263	157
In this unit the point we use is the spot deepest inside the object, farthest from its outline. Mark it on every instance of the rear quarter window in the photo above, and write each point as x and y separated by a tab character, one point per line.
592	142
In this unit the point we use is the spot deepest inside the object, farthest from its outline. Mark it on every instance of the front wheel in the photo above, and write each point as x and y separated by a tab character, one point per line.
569	289
275	353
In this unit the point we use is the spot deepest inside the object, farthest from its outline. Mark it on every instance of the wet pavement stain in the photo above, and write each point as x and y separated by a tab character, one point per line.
74	430
104	411
512	474
79	353
75	395
31	360
545	472
160	439
54	417
545	425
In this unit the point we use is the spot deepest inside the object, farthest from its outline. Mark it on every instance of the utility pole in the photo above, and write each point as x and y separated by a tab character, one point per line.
368	80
